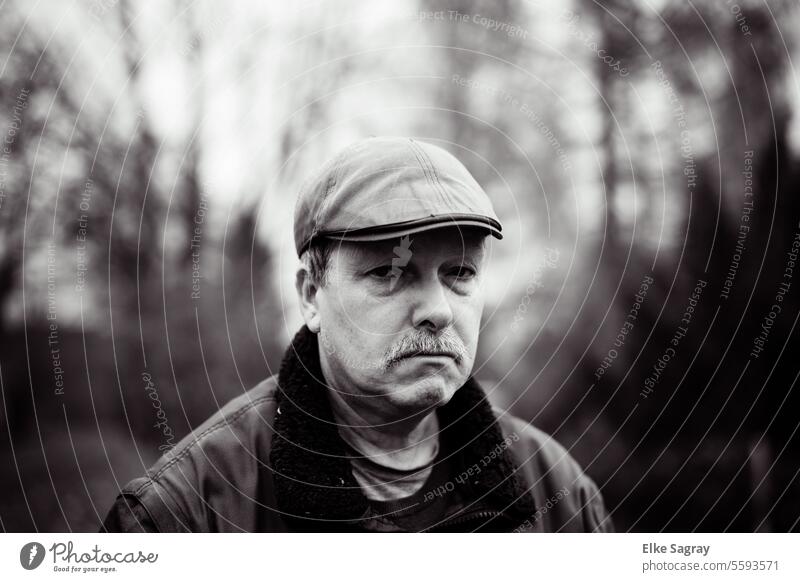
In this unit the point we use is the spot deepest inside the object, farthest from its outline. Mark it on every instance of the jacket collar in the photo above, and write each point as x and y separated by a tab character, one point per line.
311	472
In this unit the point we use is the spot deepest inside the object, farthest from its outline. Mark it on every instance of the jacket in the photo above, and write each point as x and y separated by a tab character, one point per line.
271	460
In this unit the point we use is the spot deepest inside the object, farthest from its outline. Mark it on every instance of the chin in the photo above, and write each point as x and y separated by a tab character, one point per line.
430	392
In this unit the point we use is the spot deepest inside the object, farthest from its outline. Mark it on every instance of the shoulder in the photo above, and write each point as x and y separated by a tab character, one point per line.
532	446
213	471
558	483
231	428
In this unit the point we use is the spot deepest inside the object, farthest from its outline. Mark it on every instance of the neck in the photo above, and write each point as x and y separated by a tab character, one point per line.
404	445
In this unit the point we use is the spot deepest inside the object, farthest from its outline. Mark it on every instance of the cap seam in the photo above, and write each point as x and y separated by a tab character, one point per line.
444	192
453	202
423	162
426	170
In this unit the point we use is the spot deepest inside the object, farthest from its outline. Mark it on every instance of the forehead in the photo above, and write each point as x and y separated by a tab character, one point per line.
441	243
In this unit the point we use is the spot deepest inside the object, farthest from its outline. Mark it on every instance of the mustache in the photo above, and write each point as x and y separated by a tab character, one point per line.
447	342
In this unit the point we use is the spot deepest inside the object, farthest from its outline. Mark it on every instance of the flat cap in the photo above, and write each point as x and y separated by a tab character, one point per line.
384	187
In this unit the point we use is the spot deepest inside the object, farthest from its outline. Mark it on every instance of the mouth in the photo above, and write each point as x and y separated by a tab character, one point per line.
435	354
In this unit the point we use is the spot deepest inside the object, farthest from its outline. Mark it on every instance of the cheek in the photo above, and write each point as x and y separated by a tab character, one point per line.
351	333
468	324
342	305
338	310
373	319
339	333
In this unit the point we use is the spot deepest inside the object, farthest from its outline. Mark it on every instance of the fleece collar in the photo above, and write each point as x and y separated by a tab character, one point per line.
311	471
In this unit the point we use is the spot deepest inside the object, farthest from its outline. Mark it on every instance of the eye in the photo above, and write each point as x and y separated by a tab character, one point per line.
381	272
462	272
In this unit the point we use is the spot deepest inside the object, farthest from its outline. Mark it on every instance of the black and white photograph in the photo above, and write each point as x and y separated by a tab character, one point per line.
417	266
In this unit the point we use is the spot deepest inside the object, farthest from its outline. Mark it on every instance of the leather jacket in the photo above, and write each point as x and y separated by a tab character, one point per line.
271	460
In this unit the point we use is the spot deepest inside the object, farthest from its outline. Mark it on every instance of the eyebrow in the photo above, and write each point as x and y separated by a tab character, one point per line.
363	253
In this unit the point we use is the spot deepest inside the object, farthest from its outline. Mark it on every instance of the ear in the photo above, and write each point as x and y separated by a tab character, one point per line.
307	293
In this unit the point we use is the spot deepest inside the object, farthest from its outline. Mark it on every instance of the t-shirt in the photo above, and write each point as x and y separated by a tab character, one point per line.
420	493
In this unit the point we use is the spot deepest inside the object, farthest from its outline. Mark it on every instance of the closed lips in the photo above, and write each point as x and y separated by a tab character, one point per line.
413	354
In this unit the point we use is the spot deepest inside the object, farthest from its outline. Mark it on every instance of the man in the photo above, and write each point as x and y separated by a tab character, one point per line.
374	421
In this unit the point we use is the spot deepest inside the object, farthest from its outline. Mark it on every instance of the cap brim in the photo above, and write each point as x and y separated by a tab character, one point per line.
385	232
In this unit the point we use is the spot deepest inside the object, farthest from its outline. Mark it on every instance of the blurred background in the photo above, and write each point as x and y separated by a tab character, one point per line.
641	155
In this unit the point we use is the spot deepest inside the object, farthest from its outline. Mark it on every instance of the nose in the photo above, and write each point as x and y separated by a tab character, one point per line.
432	307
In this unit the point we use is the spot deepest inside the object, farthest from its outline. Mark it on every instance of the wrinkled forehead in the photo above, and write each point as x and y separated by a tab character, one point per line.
444	244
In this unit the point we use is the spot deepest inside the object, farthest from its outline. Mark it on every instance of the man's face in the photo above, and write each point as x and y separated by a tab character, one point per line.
399	319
